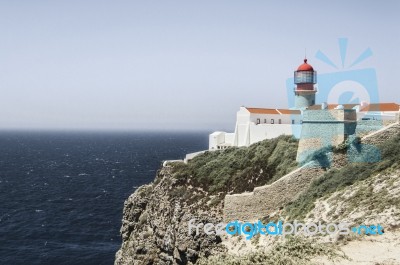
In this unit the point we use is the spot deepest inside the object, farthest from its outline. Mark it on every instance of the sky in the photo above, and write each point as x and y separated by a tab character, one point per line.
176	65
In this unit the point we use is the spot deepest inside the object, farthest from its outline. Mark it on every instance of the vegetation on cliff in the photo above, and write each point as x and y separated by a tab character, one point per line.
240	169
292	251
336	179
156	216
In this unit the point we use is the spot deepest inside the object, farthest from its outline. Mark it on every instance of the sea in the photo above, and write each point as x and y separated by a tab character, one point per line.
62	193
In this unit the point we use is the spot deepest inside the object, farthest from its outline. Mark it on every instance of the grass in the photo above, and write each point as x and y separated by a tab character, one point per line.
337	179
374	201
292	251
240	169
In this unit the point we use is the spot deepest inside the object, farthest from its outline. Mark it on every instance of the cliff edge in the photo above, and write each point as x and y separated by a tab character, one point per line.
156	216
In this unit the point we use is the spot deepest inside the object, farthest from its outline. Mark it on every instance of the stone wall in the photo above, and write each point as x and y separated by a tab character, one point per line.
323	128
266	199
365	127
384	134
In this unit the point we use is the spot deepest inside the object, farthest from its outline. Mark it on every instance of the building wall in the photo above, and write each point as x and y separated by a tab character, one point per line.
216	139
242	116
323	128
230	138
250	133
275	118
253	127
268	131
242	135
386	115
367	126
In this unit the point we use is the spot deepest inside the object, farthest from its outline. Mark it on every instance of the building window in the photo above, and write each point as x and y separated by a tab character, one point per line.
280	121
272	121
265	120
292	121
258	121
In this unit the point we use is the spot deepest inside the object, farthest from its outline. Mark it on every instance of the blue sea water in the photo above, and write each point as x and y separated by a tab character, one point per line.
62	194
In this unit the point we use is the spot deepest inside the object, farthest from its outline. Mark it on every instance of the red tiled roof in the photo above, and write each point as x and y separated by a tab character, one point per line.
289	111
381	107
272	111
262	111
370	107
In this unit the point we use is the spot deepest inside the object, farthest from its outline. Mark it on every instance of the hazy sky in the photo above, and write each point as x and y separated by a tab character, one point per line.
176	64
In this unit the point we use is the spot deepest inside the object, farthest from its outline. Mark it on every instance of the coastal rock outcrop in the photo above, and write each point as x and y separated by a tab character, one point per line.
156	216
155	223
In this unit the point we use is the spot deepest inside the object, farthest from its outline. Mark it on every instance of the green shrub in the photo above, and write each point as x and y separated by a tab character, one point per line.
337	179
292	251
240	169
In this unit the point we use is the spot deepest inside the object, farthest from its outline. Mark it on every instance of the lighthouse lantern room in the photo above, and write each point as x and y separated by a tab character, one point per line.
305	78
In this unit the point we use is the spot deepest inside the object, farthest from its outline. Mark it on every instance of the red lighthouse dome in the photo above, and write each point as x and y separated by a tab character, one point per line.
305	67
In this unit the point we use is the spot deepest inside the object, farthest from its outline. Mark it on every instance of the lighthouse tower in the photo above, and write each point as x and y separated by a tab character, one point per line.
304	78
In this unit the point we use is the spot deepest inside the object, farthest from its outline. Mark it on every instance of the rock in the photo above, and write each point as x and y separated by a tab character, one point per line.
155	224
177	256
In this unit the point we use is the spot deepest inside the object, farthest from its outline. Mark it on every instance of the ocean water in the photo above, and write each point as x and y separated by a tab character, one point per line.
62	194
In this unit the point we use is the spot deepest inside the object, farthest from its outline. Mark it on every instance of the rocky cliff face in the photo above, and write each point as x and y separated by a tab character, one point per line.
156	216
155	223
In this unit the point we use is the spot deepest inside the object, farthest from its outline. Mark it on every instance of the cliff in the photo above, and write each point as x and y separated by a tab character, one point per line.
156	216
154	222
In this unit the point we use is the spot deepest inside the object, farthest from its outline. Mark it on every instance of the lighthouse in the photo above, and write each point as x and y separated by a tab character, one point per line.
305	78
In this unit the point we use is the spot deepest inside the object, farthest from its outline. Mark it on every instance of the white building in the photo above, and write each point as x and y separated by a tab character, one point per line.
256	124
